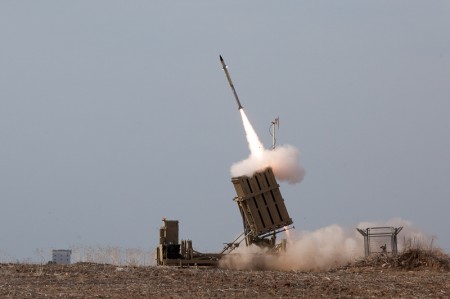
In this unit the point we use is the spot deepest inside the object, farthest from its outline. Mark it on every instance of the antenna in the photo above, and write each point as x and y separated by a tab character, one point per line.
275	122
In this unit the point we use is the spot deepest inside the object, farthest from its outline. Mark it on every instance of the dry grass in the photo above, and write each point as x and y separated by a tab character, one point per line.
428	259
377	278
410	259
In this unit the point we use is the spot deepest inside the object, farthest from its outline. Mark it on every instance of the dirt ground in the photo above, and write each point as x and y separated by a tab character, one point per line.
107	281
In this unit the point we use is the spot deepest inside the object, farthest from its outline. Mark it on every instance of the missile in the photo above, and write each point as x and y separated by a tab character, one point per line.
224	67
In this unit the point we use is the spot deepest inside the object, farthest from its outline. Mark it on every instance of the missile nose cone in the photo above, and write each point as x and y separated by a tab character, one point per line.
221	59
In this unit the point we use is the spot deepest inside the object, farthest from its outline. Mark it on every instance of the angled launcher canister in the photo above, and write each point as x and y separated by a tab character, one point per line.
262	207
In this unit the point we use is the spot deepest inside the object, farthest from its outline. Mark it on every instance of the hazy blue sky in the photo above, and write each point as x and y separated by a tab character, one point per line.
114	114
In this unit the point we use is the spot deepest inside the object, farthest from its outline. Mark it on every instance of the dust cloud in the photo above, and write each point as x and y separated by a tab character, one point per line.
319	250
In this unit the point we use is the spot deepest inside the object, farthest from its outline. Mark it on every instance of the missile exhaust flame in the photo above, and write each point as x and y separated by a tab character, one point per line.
288	235
284	159
254	144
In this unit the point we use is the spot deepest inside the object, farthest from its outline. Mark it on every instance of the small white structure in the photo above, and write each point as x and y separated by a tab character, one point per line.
61	256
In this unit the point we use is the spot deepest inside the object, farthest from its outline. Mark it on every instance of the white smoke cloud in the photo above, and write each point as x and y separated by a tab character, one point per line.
284	160
319	250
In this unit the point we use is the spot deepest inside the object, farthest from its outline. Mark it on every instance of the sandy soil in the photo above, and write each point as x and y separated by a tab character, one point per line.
108	281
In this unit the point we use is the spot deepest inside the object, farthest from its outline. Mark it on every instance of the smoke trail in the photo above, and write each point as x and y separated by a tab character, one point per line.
255	146
284	160
320	250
